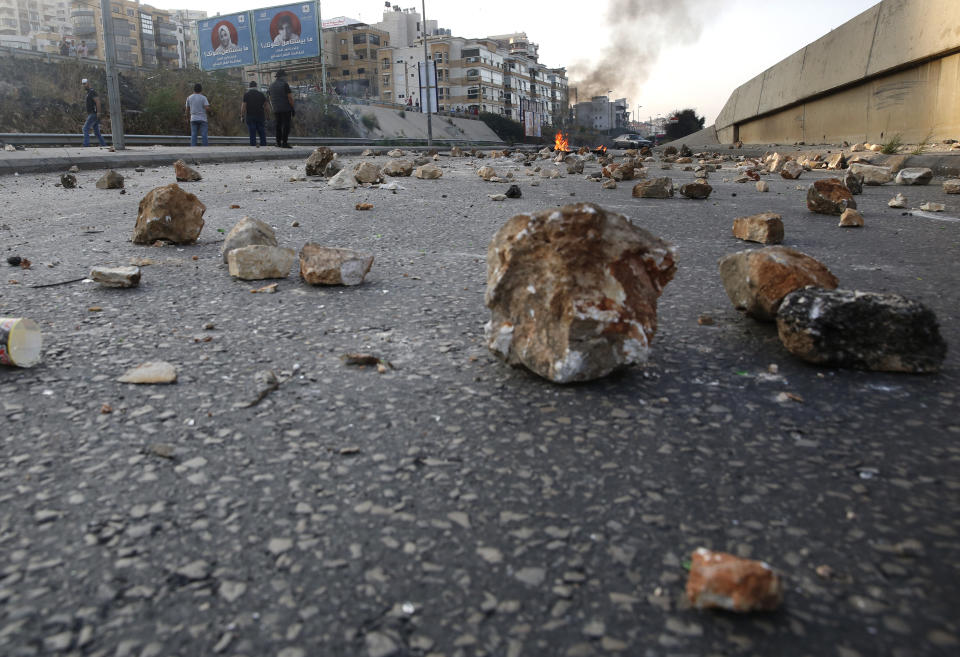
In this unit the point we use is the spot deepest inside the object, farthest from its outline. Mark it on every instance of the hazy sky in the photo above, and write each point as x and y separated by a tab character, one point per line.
672	54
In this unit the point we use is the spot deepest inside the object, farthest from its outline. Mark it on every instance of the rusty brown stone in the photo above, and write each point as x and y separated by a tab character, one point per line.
654	188
573	292
756	281
184	173
829	196
169	213
766	228
723	581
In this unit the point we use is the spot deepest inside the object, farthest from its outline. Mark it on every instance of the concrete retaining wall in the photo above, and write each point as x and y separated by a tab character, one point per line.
394	123
895	68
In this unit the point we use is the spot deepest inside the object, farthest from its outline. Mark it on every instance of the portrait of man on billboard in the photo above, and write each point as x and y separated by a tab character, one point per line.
285	28
224	38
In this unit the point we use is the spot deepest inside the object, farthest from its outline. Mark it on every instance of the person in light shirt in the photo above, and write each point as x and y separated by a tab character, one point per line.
285	33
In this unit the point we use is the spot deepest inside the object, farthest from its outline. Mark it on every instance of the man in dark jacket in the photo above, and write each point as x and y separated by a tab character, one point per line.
281	98
252	110
93	115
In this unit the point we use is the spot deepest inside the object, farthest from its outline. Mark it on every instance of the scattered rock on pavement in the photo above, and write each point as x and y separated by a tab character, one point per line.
697	190
396	152
851	218
324	265
757	281
951	186
930	206
259	261
497	197
398	168
862	330
68	180
110	180
791	170
185	173
872	174
248	232
898	201
609	183
514	191
344	179
151	372
766	228
573	292
762	186
723	581
914	176
367	172
853	182
654	188
333	167
456	151
428	172
318	161
487	173
363	206
837	161
116	276
169	213
829	196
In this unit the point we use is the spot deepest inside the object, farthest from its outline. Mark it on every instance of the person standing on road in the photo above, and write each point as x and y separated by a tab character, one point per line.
93	115
253	111
196	110
281	98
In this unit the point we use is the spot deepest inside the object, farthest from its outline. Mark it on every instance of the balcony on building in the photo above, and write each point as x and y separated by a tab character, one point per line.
84	22
166	36
167	53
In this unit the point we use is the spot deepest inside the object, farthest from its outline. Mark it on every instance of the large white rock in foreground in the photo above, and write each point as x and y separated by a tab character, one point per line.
573	292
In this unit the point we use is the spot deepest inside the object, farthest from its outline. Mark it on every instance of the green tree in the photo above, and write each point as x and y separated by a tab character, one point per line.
687	123
508	130
164	111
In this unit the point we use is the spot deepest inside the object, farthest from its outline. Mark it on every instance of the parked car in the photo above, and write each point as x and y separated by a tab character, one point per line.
631	140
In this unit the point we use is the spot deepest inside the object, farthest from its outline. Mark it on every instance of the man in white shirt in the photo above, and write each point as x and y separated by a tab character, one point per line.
196	110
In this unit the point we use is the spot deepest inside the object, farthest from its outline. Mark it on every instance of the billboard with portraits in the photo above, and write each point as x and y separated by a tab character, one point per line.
286	32
225	41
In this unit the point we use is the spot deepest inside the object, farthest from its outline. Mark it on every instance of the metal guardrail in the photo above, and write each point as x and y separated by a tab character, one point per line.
51	139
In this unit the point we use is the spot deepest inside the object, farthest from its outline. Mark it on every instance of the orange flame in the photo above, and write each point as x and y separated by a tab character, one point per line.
601	148
560	142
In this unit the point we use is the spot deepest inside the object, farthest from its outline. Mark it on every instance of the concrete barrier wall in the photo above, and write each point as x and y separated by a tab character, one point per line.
917	103
891	69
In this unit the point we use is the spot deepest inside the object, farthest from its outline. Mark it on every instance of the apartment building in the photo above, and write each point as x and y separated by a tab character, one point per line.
144	35
499	74
600	113
34	24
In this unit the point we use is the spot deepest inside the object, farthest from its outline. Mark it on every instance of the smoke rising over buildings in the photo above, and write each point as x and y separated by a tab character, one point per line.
639	31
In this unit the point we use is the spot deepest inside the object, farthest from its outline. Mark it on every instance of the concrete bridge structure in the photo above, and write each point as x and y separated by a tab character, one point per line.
894	69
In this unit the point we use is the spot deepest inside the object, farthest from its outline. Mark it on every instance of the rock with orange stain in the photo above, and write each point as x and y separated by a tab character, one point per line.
829	196
723	581
573	292
757	281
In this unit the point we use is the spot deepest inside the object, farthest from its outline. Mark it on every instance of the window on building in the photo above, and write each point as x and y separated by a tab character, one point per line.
386	80
115	10
470	52
374	39
343	42
361	71
359	38
129	12
385	63
344	58
345	72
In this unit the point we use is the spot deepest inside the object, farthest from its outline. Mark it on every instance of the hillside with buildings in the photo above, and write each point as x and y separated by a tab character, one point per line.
374	63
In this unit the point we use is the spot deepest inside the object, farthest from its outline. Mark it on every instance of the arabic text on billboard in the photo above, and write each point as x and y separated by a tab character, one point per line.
225	42
288	32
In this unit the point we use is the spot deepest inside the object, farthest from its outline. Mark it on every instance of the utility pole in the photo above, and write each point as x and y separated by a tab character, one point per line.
113	84
323	54
426	72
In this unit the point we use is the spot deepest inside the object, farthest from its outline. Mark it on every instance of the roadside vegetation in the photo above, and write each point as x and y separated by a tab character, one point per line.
36	96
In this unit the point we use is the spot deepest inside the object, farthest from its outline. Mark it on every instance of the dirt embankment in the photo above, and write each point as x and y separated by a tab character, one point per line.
37	96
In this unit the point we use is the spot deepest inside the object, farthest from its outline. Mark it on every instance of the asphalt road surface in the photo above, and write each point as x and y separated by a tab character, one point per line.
454	505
